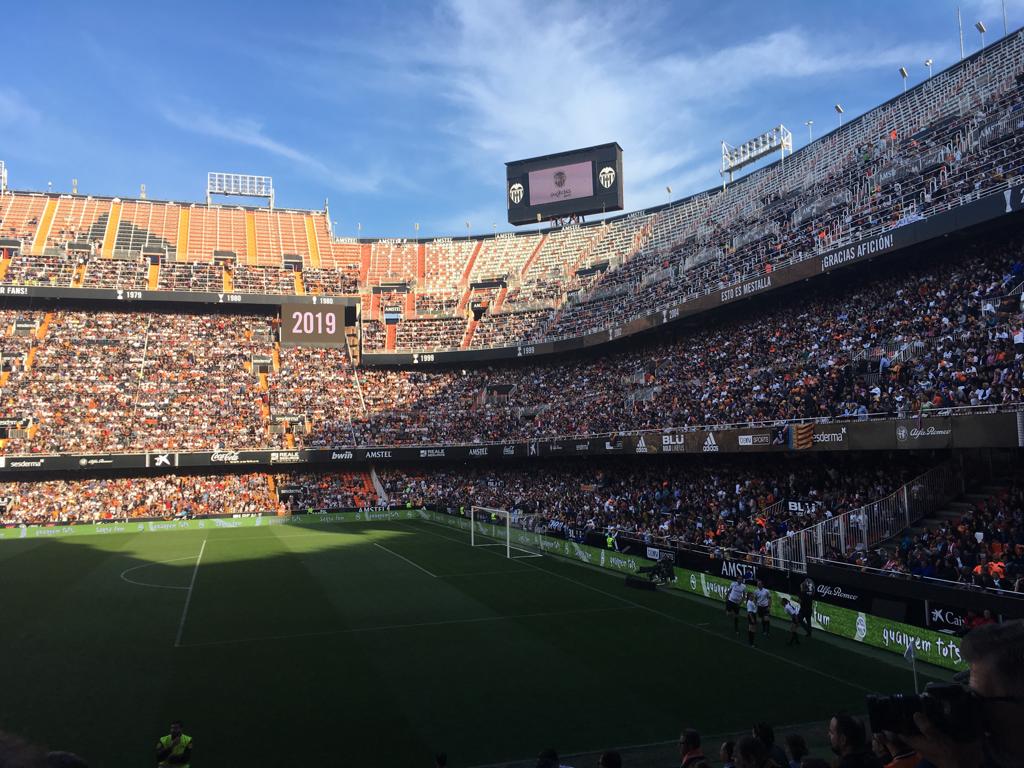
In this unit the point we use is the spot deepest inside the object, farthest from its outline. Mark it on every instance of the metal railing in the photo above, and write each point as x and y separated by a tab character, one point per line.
864	527
943	583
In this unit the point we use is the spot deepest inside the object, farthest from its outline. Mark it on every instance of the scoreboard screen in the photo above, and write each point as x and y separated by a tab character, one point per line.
575	183
313	325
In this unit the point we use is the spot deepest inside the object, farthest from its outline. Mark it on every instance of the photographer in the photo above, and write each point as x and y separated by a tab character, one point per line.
995	653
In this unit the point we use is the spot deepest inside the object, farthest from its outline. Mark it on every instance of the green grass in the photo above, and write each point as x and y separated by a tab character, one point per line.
377	644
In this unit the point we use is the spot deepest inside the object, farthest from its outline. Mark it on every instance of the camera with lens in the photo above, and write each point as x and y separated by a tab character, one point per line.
952	708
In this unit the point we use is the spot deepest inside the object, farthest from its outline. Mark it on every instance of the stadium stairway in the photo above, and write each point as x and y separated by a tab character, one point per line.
954	510
78	279
251	255
584	257
378	487
184	219
391	336
421	262
110	234
410	304
229	283
43	230
464	280
5	264
153	276
364	263
43	327
467	339
300	289
276	356
311	243
533	255
500	300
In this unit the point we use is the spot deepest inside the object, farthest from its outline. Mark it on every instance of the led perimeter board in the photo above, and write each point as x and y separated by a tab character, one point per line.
575	183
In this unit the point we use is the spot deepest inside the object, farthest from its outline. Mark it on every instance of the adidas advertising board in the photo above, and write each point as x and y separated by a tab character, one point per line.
648	442
710	445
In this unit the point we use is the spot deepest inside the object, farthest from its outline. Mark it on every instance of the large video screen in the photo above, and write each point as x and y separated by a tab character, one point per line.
575	183
563	182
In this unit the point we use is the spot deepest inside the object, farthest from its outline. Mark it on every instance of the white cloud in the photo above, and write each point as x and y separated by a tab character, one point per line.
250	133
14	109
574	74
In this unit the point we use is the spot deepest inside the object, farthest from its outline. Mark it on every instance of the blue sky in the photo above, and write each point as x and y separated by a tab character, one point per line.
406	112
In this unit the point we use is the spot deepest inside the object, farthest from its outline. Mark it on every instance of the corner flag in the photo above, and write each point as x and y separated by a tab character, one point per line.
909	656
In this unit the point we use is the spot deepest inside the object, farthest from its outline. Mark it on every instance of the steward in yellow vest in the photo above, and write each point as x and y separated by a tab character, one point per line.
174	749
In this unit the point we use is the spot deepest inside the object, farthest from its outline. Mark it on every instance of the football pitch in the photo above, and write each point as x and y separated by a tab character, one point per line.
380	643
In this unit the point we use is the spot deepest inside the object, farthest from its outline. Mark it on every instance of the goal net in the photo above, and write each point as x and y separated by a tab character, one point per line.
491	527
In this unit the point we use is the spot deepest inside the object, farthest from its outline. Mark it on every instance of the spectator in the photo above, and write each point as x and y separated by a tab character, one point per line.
726	754
900	753
548	758
995	655
752	753
766	735
689	748
797	749
848	739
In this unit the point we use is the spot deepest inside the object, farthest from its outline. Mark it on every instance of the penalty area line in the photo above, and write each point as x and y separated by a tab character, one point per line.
188	597
402	557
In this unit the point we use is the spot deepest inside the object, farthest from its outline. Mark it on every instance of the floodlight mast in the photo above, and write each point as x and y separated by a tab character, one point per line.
239	185
778	139
3	177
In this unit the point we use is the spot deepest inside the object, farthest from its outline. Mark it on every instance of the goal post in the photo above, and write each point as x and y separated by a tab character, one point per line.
492	527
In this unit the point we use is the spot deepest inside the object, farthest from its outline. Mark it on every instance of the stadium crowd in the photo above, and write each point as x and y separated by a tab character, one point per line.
94	500
720	505
790	361
983	548
902	341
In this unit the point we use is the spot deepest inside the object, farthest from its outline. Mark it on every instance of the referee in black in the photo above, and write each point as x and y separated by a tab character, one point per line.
806	604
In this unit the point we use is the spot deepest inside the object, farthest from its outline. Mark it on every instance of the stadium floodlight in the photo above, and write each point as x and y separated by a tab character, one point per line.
491	527
928	63
810	130
3	177
980	26
904	74
239	185
778	139
839	111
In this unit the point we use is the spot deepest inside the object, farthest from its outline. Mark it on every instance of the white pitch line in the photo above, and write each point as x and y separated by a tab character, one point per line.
482	573
670	617
390	627
188	597
125	579
410	562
